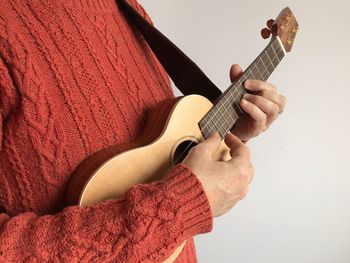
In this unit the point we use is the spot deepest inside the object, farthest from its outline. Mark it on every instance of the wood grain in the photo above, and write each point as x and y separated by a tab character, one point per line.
111	172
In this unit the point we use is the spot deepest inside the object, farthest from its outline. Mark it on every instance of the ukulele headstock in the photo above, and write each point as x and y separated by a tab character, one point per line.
285	27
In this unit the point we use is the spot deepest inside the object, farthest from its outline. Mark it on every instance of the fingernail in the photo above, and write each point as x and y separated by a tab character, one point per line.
246	83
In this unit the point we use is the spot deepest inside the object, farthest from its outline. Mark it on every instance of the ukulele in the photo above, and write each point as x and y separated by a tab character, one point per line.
174	127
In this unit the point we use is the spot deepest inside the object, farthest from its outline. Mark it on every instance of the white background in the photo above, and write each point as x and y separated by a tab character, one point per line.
298	207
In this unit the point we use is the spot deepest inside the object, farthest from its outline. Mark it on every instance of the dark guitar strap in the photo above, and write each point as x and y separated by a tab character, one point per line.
186	75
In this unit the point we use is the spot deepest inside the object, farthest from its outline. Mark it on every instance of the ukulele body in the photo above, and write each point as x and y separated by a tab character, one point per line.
172	129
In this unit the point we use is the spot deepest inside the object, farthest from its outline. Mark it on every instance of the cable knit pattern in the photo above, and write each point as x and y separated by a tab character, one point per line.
74	79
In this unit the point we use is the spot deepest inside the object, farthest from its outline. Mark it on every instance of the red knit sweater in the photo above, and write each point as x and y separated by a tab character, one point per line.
74	79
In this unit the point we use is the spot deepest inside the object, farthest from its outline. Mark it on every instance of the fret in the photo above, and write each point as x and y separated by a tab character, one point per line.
257	68
235	95
253	72
274	51
269	60
224	114
257	72
250	74
265	71
274	54
206	127
279	51
236	89
210	124
230	112
227	111
219	121
224	119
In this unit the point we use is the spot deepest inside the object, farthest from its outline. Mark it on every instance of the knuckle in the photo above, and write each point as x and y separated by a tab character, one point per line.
245	178
192	151
275	108
255	99
243	193
265	93
273	111
246	150
244	157
245	174
251	98
256	131
262	84
273	87
260	125
251	172
205	152
262	120
283	101
271	108
257	85
196	150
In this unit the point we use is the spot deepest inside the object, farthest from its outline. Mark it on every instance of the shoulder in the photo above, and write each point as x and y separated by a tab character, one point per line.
139	8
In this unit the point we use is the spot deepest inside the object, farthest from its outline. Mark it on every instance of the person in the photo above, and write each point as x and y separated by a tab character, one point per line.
76	78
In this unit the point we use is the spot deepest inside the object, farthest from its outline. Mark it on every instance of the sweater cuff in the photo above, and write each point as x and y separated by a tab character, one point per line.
192	200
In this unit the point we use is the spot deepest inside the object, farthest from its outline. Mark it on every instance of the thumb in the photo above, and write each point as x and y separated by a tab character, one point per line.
211	144
237	147
235	72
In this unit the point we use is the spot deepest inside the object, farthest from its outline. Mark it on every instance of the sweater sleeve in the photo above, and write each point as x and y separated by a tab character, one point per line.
8	96
145	226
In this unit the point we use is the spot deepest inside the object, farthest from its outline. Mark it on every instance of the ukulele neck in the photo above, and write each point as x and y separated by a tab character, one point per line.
226	111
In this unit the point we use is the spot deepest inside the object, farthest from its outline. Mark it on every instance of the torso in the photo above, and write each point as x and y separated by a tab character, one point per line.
83	82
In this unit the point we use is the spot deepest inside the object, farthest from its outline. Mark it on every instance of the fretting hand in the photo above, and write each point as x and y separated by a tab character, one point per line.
261	106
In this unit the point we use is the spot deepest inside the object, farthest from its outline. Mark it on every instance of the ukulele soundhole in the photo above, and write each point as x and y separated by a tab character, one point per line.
182	150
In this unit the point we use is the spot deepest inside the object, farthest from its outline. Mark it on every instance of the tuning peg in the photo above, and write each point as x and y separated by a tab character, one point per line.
265	33
269	23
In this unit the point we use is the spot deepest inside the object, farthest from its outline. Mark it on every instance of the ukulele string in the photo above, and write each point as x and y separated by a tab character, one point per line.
239	94
210	131
241	82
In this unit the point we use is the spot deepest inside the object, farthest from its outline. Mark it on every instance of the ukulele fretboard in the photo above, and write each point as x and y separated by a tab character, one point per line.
224	114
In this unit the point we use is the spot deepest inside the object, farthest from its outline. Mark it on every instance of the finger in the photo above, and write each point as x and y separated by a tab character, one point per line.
279	99
243	193
211	144
252	173
237	147
255	85
235	72
270	108
258	116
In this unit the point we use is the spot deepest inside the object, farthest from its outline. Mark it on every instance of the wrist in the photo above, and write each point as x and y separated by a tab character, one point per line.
192	200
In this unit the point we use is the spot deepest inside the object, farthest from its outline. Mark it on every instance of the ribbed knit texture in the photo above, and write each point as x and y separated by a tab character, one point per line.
74	79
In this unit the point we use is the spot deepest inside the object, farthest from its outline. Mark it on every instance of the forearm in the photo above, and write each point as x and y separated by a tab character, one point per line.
146	226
